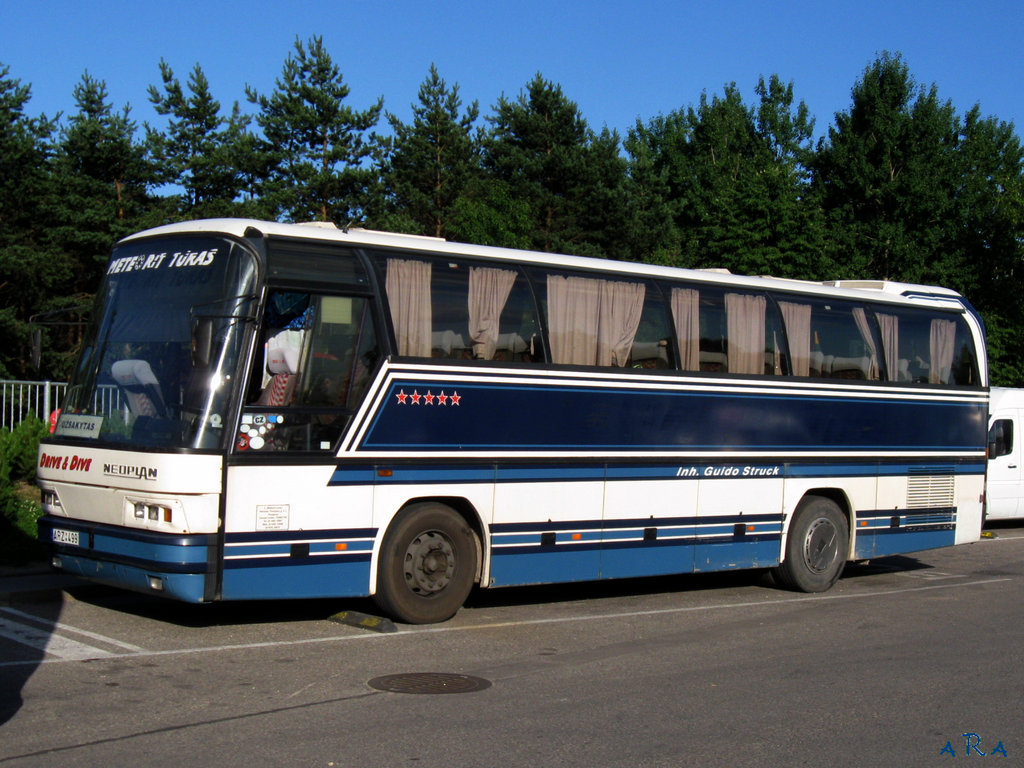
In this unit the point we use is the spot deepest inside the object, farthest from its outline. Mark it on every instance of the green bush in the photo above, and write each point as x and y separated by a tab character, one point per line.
19	449
18	512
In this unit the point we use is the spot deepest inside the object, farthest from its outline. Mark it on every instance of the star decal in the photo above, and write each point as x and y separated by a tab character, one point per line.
429	398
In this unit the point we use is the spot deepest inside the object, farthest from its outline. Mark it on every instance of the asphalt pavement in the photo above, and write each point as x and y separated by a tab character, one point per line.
33	582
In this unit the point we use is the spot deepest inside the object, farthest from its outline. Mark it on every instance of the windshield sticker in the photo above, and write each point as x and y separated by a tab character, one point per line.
257	429
162	261
72	425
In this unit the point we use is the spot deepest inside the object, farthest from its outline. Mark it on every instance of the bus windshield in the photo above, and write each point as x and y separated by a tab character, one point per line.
161	355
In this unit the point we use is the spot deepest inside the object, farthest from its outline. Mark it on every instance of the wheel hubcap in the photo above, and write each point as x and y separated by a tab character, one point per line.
820	545
429	563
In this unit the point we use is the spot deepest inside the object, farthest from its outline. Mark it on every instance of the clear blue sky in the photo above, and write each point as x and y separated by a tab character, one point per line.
619	61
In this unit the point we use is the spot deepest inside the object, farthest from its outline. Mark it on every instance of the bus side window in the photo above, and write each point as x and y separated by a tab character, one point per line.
312	373
924	349
651	348
831	339
591	320
726	332
343	352
452	310
285	320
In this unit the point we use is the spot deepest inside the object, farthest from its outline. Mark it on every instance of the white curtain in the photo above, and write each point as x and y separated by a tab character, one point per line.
621	306
408	288
574	307
489	289
686	313
797	318
889	325
861	318
592	321
744	318
942	342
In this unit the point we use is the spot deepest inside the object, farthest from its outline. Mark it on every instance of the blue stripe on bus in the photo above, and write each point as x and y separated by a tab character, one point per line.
238	537
632	522
598	470
307	577
601	417
129	557
310	561
163	552
882	542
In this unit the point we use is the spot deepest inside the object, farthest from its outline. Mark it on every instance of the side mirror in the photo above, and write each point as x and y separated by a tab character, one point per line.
202	341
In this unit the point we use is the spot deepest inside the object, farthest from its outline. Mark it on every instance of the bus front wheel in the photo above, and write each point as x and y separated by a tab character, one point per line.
427	564
817	546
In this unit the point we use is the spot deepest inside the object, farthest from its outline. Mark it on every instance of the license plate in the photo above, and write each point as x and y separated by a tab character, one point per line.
61	536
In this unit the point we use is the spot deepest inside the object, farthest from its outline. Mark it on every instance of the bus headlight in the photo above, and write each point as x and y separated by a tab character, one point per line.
50	501
153	512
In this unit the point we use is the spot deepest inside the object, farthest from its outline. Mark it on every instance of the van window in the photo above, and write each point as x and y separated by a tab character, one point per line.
1000	438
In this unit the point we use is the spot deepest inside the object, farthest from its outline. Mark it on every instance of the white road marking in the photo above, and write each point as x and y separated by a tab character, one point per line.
42	634
84	632
40	639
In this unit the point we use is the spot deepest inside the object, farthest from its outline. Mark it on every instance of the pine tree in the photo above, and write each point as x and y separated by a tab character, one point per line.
31	272
104	180
433	159
723	184
104	175
540	153
989	238
886	178
315	146
198	151
653	198
794	228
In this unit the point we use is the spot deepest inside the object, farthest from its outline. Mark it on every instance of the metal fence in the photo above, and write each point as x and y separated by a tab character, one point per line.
20	399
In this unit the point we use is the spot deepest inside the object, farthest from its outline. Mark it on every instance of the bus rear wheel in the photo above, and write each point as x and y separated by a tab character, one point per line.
427	564
817	546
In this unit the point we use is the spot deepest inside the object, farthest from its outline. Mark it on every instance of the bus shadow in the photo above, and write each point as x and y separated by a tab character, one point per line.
260	612
27	631
888	564
241	613
543	594
673	584
284	611
1004	525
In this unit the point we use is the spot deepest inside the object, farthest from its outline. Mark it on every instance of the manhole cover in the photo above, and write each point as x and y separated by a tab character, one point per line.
429	682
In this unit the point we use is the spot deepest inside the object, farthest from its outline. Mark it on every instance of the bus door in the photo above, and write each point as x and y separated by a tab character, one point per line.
295	524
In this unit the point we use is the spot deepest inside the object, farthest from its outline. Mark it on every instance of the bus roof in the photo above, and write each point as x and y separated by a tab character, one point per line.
895	292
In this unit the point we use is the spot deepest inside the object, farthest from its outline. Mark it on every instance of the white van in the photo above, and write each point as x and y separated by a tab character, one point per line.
1005	493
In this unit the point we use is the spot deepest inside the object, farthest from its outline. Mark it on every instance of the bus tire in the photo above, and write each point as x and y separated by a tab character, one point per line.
427	564
816	548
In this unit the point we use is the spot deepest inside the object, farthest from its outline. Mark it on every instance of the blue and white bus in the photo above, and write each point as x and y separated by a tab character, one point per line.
306	412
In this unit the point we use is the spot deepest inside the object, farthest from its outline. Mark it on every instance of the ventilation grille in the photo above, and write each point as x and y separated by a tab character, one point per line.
937	488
